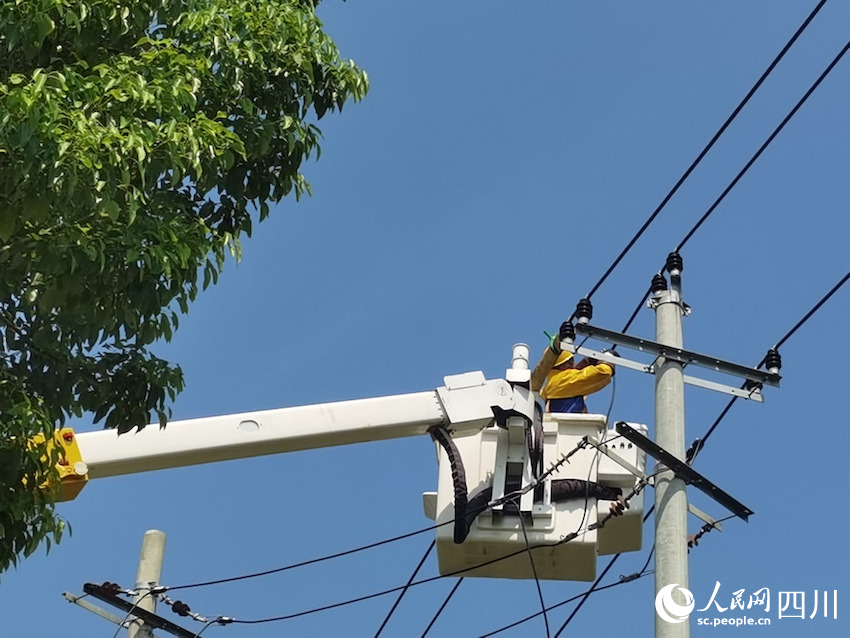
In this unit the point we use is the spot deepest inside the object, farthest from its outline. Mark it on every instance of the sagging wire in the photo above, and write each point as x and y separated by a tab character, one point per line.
567	538
707	147
311	561
406	587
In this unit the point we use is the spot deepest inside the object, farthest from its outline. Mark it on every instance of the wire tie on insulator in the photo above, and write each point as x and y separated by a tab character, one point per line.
674	264
772	361
659	284
584	311
696	446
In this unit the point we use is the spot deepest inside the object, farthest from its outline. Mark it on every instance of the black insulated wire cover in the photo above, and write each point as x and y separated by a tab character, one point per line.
658	283
584	311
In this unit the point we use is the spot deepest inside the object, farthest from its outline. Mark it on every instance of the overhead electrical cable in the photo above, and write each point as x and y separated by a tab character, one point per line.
766	143
533	568
699	443
598	525
707	147
748	165
406	587
561	604
311	561
442	607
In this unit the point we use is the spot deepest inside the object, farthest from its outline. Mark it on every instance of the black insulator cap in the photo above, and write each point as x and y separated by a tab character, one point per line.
180	608
772	359
584	310
674	262
567	331
658	283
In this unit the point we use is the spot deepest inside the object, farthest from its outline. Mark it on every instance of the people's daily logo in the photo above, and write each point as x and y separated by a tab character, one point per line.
668	609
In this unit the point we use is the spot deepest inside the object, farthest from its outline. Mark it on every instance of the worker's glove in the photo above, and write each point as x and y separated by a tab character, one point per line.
614	352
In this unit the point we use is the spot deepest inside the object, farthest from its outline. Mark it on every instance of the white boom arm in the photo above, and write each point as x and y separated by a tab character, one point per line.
464	405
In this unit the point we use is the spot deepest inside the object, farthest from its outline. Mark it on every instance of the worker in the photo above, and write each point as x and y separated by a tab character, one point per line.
562	382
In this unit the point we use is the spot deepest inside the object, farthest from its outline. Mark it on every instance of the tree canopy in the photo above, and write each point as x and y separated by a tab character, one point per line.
138	141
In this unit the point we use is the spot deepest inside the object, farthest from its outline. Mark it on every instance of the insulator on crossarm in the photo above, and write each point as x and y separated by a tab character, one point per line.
772	361
584	311
658	283
568	332
674	264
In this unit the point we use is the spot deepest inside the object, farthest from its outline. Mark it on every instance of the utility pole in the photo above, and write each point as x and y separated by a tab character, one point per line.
674	473
147	576
671	501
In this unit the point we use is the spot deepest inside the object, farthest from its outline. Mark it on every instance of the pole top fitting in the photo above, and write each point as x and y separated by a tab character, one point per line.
584	311
674	263
658	283
772	361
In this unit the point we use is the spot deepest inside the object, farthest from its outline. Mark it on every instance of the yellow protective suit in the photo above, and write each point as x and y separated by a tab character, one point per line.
566	384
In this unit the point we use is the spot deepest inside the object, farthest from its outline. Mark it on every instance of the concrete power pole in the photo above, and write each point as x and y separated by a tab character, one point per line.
671	502
148	575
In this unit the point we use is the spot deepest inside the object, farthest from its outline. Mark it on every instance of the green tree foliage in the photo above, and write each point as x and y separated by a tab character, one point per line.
137	140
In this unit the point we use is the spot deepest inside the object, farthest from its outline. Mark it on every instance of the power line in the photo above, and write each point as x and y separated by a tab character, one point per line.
406	587
533	568
814	309
569	537
746	167
707	147
764	146
700	443
312	561
560	604
442	607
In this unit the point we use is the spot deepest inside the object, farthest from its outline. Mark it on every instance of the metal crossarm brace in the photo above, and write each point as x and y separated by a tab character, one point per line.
158	622
82	602
684	471
685	357
753	394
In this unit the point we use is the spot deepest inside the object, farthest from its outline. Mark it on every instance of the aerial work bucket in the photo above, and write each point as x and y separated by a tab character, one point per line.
520	508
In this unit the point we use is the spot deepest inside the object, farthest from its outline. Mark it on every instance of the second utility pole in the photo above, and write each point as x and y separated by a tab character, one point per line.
148	575
671	501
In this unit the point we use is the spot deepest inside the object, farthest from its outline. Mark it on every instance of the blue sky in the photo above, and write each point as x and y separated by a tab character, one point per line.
504	156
